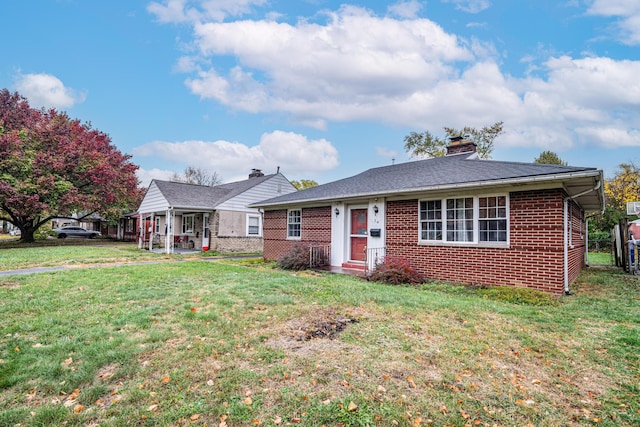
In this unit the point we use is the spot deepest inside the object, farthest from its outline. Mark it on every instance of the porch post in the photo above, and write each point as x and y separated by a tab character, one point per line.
151	232
168	243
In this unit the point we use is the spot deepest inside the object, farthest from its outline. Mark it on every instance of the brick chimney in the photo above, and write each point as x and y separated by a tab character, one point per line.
256	173
460	144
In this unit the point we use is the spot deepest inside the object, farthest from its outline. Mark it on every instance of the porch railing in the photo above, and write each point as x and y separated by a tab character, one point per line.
372	257
319	255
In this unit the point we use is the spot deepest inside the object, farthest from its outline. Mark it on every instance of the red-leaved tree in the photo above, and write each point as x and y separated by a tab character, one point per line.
53	166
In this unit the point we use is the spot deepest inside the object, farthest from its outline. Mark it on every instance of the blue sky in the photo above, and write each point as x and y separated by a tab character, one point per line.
326	89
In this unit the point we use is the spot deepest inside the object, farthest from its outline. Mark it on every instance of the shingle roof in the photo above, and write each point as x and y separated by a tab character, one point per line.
424	175
181	195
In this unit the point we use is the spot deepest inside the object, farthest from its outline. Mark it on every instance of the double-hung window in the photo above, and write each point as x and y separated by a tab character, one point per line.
471	220
294	224
253	225
492	219
187	223
157	224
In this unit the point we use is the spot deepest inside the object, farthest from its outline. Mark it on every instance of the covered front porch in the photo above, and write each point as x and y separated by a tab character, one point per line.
175	231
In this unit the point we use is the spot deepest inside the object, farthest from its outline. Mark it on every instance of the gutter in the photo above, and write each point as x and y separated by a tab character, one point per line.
566	233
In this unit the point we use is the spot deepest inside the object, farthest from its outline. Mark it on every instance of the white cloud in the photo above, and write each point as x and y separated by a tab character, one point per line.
45	90
357	66
146	175
216	10
470	6
405	9
627	13
347	69
386	153
292	151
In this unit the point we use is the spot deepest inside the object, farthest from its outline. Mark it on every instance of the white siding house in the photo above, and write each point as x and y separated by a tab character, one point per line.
178	215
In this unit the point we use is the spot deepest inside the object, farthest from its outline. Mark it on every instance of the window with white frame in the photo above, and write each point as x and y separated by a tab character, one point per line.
492	218
465	219
294	224
253	225
157	224
187	223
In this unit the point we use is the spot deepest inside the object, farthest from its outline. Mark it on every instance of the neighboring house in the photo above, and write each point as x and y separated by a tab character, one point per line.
179	215
456	218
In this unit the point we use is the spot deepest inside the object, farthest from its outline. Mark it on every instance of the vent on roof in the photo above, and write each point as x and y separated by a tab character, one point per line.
256	173
460	144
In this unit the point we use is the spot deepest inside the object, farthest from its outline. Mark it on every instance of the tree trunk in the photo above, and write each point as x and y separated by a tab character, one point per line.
26	233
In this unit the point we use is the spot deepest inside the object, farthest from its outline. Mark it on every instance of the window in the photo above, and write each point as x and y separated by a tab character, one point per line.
431	220
465	219
493	219
129	226
294	222
460	220
253	225
187	223
157	224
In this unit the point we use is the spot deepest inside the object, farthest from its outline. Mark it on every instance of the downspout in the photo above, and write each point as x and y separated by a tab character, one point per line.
566	234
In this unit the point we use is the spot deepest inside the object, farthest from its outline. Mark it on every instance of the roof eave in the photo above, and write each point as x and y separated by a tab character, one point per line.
459	186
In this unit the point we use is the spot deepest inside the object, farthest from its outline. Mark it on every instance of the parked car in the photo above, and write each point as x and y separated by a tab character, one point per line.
14	232
73	231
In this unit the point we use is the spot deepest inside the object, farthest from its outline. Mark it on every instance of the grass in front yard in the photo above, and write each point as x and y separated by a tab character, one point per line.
197	343
76	252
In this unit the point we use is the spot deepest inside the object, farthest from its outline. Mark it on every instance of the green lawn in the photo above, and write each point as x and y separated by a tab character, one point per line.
243	344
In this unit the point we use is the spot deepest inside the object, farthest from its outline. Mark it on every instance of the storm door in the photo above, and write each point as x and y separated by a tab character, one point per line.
358	234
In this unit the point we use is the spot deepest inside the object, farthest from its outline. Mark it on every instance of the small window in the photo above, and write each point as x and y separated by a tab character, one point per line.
157	224
294	224
187	223
253	225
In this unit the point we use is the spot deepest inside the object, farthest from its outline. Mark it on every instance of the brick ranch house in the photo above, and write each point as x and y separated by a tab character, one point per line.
176	215
456	218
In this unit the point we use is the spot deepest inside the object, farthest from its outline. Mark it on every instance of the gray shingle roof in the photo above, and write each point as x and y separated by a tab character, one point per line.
424	175
181	195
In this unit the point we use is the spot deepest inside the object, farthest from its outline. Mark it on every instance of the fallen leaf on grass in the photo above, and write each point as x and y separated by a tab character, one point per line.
194	417
411	382
166	379
78	409
277	420
152	408
352	407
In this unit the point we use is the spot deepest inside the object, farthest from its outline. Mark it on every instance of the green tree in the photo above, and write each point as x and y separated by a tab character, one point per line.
52	166
426	144
549	158
196	175
303	184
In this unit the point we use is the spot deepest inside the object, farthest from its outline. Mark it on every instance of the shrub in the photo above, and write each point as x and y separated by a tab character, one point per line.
297	258
395	271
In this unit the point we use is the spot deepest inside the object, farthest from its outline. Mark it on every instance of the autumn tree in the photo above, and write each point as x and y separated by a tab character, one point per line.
428	145
549	158
196	175
52	166
303	184
623	187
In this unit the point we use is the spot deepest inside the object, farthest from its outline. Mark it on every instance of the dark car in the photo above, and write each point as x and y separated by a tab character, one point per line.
73	231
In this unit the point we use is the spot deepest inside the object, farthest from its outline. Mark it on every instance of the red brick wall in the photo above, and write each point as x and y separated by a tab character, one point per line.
315	228
534	258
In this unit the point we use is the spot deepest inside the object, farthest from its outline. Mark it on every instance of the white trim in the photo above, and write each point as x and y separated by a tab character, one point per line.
193	224
259	218
299	237
475	242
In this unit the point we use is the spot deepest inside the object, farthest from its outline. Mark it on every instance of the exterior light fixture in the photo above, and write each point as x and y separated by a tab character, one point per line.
375	209
337	211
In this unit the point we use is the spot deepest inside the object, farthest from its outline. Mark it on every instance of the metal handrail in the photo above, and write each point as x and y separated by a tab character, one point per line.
373	257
